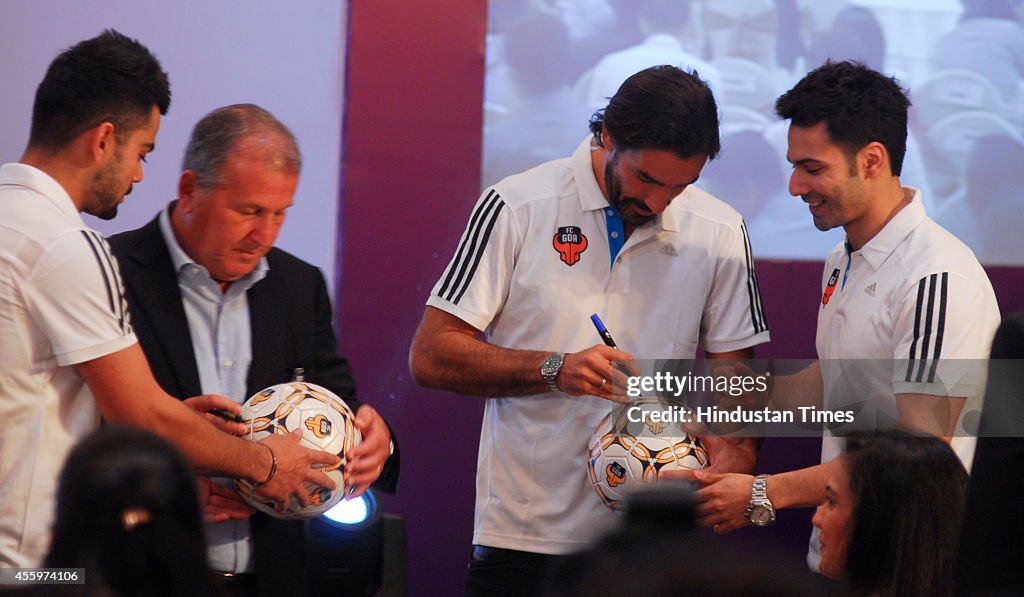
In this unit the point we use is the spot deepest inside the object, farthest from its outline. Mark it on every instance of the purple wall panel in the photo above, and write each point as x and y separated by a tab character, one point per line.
411	174
1009	286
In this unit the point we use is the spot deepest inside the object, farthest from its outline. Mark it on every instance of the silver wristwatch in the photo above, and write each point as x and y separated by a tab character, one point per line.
760	510
550	367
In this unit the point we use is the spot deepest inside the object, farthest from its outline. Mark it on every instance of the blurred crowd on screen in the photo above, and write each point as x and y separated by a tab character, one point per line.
552	63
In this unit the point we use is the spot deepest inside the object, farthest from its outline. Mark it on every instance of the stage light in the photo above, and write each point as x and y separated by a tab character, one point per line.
355	549
355	513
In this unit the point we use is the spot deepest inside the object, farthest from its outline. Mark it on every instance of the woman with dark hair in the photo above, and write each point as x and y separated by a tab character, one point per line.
128	512
890	521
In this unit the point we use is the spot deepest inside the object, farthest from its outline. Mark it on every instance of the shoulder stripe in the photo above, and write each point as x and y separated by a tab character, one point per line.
926	338
115	275
757	317
929	327
99	261
111	280
941	330
474	218
917	330
471	249
480	252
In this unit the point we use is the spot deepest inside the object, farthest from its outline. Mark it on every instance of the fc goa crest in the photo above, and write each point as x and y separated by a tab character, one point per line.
569	242
319	497
832	280
264	396
319	425
615	474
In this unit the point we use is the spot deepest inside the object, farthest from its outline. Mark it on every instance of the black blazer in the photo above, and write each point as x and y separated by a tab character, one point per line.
290	315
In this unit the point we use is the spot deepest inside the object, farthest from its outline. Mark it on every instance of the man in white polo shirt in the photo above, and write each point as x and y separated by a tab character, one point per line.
618	230
67	350
906	312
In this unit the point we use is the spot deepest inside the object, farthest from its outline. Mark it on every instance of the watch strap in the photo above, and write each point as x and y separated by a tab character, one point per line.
550	367
759	490
759	502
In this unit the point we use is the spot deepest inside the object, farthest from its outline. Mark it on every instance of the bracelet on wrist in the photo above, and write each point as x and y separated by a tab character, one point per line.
273	466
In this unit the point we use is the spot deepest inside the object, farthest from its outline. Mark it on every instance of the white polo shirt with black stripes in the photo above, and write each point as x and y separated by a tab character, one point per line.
535	261
915	299
61	303
911	312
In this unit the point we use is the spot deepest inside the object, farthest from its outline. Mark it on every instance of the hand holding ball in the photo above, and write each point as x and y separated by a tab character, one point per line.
327	424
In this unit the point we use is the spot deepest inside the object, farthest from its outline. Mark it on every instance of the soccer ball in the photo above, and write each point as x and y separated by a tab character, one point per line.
327	424
623	454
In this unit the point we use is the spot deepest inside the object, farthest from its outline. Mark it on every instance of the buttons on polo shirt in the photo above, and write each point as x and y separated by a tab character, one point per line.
229	363
615	234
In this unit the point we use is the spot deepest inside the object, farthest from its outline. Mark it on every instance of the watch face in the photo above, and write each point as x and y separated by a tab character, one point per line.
551	365
761	516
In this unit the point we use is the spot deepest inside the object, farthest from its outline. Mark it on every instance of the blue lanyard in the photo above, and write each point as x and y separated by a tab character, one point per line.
849	260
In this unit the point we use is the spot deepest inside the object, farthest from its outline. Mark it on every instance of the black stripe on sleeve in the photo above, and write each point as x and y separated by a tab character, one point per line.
753	290
927	337
471	250
917	329
122	304
106	276
929	327
941	326
480	252
454	266
111	280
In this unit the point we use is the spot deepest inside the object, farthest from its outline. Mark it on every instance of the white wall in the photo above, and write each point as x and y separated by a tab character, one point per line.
288	57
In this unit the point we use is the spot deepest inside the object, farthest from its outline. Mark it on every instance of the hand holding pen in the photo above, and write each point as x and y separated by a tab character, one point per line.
601	370
609	341
223	412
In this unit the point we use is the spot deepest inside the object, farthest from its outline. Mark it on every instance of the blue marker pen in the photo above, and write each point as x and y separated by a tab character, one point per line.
603	331
608	340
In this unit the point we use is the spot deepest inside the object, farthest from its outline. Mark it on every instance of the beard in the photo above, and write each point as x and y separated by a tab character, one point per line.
840	201
105	193
109	214
627	206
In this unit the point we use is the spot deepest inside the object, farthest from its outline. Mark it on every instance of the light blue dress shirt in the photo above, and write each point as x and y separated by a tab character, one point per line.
222	343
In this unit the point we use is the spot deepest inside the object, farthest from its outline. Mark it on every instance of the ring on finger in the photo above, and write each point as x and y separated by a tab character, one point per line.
603	381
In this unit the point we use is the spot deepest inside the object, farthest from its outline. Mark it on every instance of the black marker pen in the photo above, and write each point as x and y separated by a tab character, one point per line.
227	415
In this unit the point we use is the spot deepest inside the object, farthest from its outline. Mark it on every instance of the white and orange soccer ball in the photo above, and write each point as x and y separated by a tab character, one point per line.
327	424
624	454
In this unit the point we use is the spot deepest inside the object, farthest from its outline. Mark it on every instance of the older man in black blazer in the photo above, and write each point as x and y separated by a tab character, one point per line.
217	309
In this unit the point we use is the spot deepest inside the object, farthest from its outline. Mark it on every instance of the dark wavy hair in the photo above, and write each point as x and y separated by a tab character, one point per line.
661	107
108	78
858	105
909	491
128	512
